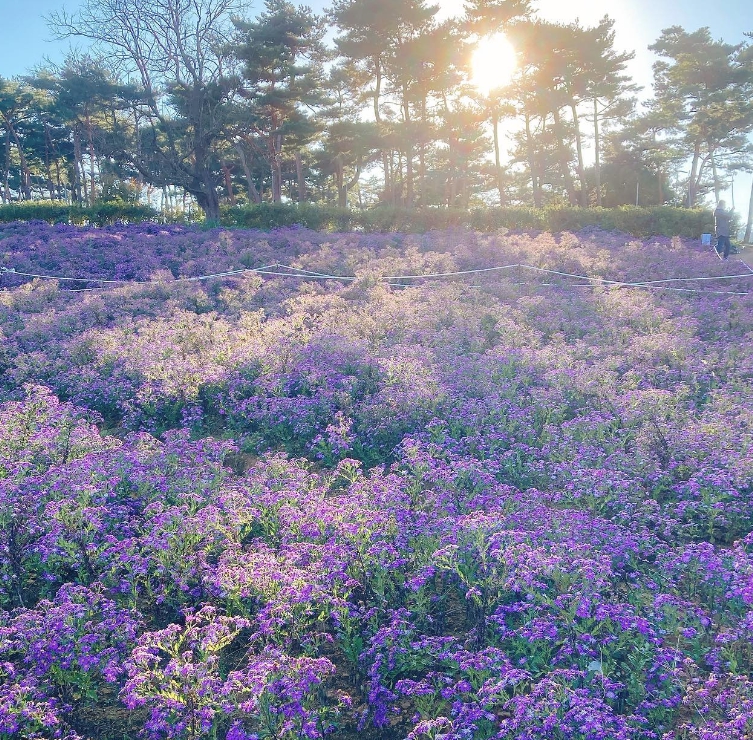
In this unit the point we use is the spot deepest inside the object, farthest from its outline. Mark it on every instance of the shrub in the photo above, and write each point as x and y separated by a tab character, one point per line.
268	216
639	222
58	212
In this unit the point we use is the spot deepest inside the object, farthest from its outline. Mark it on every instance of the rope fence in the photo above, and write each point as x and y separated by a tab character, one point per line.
279	269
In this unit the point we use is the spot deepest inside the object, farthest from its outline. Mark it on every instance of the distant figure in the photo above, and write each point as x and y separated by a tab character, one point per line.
721	226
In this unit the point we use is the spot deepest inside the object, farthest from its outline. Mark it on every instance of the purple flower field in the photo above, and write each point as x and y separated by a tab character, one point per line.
508	504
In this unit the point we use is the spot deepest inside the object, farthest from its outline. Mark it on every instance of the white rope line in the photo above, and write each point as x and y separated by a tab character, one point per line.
126	281
690	290
521	265
13	271
313	273
451	274
303	273
257	270
625	285
599	280
693	279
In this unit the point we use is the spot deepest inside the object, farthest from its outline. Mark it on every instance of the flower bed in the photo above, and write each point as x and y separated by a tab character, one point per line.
497	504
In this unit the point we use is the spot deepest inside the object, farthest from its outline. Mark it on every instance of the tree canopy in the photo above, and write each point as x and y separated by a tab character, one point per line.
372	103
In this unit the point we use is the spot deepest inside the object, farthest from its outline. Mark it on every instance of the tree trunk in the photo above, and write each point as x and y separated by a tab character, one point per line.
58	180
276	181
300	177
497	164
387	169
398	180
378	119
209	203
732	191
422	156
6	179
354	181
377	90
562	156
749	225
92	159
699	176
409	176
408	151
581	168
422	175
342	193
25	173
452	195
140	176
228	183
597	154
717	184
202	187
48	169
661	186
276	168
693	174
464	195
79	176
390	178
253	193
537	200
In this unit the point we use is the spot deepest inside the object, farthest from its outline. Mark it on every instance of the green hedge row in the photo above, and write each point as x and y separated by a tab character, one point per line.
56	212
640	222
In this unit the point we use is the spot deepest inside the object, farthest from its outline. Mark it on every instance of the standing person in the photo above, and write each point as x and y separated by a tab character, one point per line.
721	226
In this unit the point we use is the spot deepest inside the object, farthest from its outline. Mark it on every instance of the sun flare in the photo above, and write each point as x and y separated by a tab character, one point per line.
493	63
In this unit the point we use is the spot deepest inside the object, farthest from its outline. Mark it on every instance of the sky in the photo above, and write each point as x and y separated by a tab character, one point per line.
26	41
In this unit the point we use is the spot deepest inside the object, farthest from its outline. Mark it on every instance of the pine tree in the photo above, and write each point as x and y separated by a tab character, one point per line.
282	55
704	88
384	38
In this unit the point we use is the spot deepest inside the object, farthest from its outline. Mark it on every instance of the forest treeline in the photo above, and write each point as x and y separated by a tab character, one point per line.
373	102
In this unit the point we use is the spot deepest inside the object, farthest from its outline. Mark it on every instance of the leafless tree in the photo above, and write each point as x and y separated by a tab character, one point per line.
178	51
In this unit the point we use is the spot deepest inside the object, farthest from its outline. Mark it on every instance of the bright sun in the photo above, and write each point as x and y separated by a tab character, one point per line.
494	62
